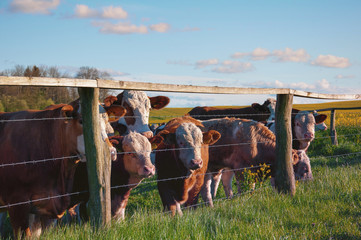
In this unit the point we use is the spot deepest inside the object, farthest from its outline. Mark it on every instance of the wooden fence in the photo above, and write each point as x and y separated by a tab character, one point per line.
99	175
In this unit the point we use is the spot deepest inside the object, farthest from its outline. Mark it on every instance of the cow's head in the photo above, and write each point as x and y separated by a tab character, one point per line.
77	126
189	140
136	149
301	165
269	106
138	106
304	127
321	126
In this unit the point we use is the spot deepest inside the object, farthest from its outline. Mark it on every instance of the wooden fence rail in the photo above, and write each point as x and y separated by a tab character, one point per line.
100	200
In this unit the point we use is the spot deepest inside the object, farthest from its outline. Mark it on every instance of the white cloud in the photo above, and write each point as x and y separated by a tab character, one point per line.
205	63
256	54
160	27
120	28
230	66
109	12
260	54
331	61
340	76
323	84
190	29
83	11
34	6
239	55
114	13
290	55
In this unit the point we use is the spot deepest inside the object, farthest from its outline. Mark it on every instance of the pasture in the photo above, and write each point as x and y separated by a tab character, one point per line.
329	207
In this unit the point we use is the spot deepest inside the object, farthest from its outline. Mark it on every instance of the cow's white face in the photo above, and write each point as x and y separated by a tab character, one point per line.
272	108
304	126
103	133
137	150
189	139
321	126
138	108
302	169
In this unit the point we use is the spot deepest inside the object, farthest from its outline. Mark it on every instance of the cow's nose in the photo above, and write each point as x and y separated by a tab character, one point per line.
309	135
196	163
148	134
149	171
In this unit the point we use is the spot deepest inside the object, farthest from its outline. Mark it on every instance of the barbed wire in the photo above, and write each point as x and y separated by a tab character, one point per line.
157	150
154	181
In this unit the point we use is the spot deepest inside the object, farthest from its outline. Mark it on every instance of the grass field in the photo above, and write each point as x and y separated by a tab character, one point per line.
329	207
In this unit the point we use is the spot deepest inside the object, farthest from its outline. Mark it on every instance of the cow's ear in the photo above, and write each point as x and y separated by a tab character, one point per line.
109	100
67	111
156	141
118	127
295	157
117	142
159	102
169	138
320	118
115	112
256	106
211	137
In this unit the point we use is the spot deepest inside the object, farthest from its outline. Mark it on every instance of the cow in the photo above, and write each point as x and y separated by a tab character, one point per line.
244	143
256	112
303	128
181	161
39	153
131	167
138	106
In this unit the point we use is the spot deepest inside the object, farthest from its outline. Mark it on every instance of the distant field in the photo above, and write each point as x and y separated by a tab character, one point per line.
164	115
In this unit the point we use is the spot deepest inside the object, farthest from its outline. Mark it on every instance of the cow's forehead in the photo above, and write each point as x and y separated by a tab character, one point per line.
134	141
305	116
189	132
136	99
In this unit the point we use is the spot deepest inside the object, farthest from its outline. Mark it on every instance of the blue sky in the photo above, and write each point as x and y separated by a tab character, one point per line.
305	45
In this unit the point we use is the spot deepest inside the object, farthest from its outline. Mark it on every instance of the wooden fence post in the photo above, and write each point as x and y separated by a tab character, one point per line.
284	176
98	160
333	132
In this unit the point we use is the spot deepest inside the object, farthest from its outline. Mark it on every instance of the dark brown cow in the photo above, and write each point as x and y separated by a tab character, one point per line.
138	106
187	164
32	139
247	143
256	112
50	139
130	168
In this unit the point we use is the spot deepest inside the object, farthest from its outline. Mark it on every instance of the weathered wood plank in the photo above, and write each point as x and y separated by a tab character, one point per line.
98	162
112	84
50	82
284	176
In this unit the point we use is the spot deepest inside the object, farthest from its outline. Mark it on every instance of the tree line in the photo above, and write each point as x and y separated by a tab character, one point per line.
16	98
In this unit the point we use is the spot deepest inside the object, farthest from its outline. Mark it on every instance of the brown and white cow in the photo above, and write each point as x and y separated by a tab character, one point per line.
131	167
181	161
54	137
303	127
243	143
138	106
256	112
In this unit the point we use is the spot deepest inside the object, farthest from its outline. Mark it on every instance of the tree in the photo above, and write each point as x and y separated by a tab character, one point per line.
93	73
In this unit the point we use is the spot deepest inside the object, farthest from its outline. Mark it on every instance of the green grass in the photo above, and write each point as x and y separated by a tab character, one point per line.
329	207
